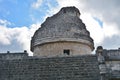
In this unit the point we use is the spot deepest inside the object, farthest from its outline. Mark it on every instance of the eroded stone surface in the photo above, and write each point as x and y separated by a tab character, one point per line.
63	26
56	68
57	49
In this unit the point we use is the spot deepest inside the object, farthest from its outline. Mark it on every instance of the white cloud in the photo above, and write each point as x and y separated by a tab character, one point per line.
108	12
110	29
63	3
21	34
95	29
37	4
4	38
4	22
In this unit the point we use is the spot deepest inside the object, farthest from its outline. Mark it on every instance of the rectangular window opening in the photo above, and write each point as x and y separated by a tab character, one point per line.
66	51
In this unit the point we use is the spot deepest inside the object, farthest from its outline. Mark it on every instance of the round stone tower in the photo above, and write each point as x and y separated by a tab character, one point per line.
62	34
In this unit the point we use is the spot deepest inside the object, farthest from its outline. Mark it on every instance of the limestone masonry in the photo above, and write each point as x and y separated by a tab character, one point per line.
63	31
62	49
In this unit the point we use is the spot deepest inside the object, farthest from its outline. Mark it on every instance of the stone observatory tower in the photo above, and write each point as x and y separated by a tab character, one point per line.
63	34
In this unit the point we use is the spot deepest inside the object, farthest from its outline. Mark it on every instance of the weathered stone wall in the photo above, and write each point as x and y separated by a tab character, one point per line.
56	68
113	65
112	59
11	56
113	68
57	48
111	62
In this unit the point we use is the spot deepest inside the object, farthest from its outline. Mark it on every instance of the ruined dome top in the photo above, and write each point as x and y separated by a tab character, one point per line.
63	26
73	11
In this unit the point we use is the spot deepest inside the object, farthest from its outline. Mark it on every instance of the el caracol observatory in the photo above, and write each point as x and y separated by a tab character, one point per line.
62	49
63	34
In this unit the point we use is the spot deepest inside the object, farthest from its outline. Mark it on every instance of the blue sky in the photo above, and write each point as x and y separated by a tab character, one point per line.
20	18
15	12
20	12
